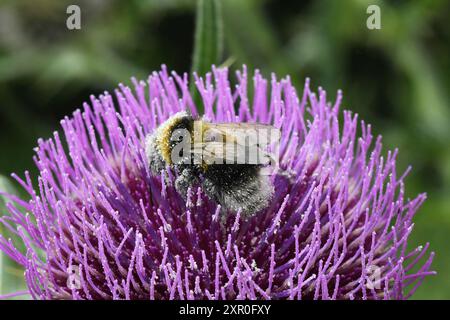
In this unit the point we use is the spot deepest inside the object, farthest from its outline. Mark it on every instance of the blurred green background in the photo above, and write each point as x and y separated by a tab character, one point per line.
396	78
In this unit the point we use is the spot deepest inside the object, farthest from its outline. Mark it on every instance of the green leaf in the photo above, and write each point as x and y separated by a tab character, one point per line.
11	274
208	36
208	41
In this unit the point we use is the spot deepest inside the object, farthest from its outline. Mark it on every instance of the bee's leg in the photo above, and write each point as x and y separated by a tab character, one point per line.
211	190
186	179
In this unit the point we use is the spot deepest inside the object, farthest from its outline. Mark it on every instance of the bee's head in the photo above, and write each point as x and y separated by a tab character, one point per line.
175	134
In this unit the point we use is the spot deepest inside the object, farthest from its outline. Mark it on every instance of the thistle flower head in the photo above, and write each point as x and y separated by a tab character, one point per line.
100	225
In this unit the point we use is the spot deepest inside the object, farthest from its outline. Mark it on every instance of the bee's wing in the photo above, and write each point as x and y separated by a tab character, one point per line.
242	133
239	125
235	143
230	153
216	152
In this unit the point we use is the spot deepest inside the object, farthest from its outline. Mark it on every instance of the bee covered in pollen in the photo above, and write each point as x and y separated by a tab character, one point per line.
230	161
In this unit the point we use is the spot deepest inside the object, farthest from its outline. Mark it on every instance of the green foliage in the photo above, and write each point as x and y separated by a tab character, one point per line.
11	274
208	41
208	36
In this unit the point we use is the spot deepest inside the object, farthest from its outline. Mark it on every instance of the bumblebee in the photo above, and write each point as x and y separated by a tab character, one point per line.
228	160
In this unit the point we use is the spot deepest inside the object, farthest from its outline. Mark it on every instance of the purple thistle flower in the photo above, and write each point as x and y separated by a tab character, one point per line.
98	225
